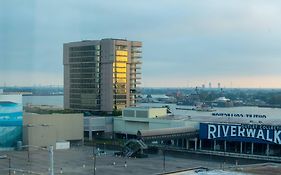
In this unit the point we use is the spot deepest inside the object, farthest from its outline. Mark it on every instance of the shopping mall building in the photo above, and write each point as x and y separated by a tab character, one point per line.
241	135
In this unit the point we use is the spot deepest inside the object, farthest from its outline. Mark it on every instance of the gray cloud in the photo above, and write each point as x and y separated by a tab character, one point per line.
182	39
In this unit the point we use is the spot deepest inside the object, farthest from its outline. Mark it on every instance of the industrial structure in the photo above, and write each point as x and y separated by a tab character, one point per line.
101	75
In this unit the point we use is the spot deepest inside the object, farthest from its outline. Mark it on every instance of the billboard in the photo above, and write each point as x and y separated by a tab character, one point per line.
241	132
11	112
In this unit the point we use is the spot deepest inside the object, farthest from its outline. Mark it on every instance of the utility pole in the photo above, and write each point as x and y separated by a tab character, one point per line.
164	160
9	165
94	152
51	156
28	154
9	161
95	157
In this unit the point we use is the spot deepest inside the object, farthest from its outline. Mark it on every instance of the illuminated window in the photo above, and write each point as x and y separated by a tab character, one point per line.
120	64
122	70
121	80
120	106
121	58
121	53
121	75
119	70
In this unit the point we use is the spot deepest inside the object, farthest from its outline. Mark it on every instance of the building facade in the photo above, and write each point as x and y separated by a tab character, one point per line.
101	75
44	130
10	120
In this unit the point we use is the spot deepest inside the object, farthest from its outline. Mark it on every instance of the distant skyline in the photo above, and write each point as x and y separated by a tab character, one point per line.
186	43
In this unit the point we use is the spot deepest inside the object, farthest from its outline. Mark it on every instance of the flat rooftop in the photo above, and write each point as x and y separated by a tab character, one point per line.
223	119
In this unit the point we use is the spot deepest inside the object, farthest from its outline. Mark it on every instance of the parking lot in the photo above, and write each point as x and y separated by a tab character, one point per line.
79	161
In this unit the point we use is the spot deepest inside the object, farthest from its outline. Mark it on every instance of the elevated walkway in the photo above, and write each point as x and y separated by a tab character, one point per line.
168	133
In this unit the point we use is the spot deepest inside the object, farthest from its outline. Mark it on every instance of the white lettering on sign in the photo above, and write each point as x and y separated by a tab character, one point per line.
241	132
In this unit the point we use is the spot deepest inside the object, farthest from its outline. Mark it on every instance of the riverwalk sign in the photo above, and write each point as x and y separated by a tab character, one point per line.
241	132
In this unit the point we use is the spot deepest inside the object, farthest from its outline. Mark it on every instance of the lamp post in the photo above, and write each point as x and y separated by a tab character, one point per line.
50	151
51	157
164	158
94	152
9	160
95	157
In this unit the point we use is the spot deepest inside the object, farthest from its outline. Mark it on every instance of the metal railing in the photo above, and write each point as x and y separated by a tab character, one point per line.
223	154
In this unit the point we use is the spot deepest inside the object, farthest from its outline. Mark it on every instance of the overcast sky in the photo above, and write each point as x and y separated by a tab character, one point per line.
185	42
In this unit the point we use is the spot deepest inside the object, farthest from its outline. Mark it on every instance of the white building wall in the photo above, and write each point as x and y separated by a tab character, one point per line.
119	125
158	125
153	112
132	127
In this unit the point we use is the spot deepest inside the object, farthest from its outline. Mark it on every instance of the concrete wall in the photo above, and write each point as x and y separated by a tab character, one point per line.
153	112
159	125
144	112
107	58
66	75
143	118
129	127
44	130
41	136
132	125
98	124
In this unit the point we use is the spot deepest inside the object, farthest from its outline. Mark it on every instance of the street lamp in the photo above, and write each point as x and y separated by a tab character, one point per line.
9	159
50	151
94	152
164	158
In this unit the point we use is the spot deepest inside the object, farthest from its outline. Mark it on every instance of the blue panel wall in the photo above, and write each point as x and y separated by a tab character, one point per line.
10	123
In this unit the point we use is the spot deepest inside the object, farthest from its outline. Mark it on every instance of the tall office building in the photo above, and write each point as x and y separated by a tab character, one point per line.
210	85
101	75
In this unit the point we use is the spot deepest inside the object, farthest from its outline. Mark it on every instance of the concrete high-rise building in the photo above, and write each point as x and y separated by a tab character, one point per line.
101	75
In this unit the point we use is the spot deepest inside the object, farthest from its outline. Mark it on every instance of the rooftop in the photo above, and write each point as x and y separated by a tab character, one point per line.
219	119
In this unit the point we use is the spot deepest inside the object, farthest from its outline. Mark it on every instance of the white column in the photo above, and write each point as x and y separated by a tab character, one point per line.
195	145
200	144
267	149
90	134
215	145
225	145
187	144
252	148
241	147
